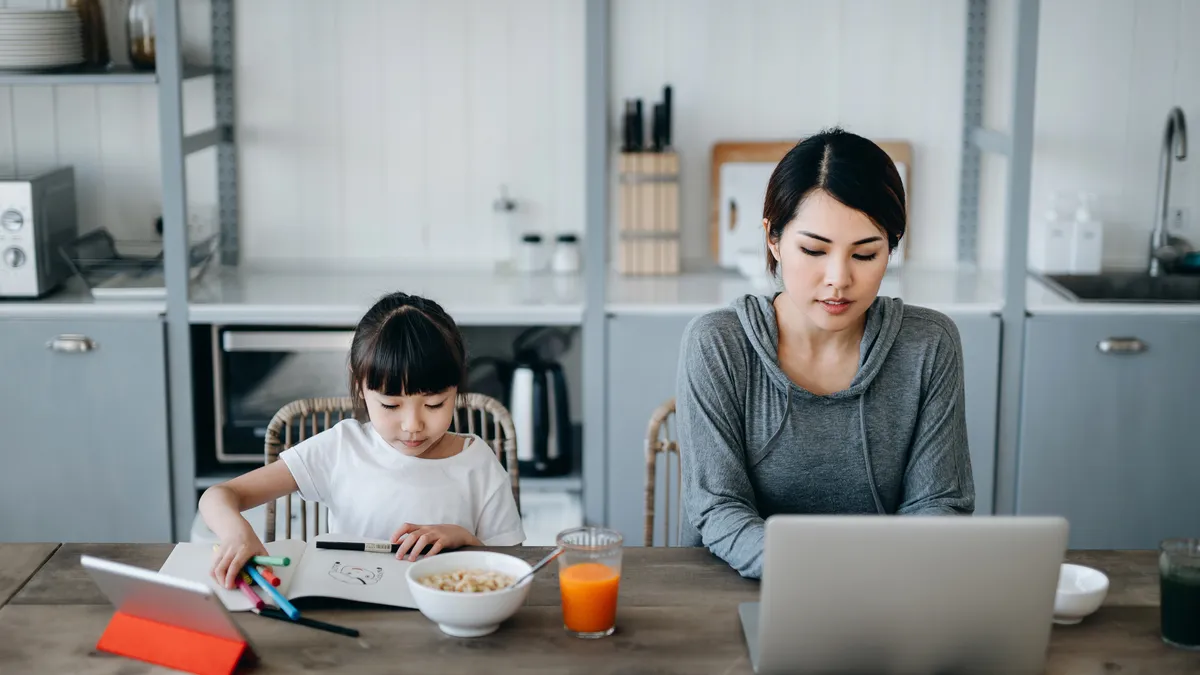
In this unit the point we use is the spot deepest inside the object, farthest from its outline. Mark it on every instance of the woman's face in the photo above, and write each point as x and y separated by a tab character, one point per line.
832	259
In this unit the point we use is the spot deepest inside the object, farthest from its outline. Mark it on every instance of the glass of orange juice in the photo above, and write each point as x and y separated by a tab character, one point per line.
589	574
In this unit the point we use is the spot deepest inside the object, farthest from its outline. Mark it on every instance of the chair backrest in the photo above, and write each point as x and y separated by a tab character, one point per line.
474	414
660	440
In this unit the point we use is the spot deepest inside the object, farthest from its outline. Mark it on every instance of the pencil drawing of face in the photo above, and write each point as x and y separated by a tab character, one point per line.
352	574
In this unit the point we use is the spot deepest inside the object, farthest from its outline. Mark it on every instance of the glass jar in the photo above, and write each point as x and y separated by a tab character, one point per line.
566	254
139	24
95	39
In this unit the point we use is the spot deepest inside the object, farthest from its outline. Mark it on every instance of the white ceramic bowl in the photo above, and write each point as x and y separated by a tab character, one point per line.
1081	590
468	614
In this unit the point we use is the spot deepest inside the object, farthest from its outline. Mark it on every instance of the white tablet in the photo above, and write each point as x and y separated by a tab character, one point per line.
165	599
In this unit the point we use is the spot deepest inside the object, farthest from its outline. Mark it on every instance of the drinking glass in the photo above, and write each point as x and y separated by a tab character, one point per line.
1179	579
589	575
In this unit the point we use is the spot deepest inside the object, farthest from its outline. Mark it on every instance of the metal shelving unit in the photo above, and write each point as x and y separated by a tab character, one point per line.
168	76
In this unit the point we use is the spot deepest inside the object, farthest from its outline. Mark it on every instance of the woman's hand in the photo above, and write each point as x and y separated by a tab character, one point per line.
236	550
436	537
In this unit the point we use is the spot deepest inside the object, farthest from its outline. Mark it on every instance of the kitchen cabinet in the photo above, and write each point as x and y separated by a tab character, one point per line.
643	354
84	420
1106	437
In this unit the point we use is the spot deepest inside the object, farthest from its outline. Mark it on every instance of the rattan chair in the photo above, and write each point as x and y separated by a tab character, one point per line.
661	441
298	420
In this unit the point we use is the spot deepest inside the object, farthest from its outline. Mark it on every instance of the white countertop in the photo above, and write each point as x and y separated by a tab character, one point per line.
74	301
946	290
332	298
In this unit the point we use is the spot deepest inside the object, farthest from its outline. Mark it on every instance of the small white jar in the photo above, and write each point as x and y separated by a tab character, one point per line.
531	254
567	258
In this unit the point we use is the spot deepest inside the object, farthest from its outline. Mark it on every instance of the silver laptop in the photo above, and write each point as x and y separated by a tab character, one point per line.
854	594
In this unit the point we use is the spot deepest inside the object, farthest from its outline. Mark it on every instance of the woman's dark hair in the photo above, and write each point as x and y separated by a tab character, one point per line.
406	345
852	169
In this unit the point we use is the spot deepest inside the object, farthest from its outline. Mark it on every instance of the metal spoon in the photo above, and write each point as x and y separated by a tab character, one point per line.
538	565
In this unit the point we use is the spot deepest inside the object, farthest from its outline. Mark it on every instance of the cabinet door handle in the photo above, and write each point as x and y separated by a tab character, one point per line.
1121	345
72	343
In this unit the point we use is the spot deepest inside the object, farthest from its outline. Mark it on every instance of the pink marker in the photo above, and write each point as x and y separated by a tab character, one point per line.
243	582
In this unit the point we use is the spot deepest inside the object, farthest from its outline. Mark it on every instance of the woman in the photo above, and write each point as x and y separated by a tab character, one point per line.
823	398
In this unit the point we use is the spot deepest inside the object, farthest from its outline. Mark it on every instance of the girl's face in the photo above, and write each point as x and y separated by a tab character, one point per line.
413	424
832	259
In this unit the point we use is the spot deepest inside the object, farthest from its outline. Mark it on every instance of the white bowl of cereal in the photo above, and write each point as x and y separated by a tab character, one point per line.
468	593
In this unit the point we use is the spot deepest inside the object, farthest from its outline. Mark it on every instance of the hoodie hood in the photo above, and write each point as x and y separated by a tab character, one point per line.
757	315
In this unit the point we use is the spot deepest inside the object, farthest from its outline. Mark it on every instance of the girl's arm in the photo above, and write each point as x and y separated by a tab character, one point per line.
222	505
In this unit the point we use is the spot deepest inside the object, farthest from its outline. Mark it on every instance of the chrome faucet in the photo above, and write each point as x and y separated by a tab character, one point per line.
1165	249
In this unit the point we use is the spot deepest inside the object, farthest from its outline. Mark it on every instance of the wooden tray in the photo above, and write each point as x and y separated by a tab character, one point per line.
772	152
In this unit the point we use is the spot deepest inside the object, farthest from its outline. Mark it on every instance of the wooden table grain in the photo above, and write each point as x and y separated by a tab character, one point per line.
19	562
677	614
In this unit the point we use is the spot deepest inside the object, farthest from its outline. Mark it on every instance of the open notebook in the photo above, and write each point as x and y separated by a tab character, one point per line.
375	578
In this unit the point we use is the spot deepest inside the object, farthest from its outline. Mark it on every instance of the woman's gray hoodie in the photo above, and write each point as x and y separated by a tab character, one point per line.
754	444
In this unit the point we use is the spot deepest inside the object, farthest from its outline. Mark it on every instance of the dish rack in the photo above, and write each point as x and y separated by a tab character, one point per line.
130	269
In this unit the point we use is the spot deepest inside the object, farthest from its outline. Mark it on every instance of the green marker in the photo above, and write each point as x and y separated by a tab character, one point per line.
271	560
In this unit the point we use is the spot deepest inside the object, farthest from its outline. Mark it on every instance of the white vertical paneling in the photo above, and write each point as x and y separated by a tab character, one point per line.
488	131
363	204
530	112
568	139
1186	188
36	145
79	146
403	136
447	155
8	132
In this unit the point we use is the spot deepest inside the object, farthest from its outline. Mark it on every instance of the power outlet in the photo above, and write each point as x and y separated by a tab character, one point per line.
1181	219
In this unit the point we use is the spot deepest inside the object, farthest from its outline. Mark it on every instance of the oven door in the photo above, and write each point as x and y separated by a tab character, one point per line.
258	371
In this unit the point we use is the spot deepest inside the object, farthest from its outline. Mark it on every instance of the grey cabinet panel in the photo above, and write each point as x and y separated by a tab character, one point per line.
1107	439
84	434
643	354
642	359
981	380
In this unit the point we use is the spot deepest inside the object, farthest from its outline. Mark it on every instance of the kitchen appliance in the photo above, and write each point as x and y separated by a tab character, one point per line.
256	371
37	217
533	387
541	416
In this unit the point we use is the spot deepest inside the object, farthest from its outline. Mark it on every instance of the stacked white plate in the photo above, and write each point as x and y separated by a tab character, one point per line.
37	39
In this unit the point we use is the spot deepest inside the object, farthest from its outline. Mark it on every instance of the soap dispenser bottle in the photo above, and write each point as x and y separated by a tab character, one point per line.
1087	238
1056	238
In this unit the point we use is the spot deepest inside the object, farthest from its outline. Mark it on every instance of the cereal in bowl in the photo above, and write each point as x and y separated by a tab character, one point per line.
468	581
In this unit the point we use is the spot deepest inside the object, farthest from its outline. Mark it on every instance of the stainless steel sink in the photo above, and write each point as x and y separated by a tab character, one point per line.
1125	287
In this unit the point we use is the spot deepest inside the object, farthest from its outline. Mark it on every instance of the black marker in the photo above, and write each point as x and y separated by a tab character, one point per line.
368	546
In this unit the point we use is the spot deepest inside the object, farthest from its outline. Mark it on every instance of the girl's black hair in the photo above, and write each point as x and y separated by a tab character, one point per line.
406	345
852	169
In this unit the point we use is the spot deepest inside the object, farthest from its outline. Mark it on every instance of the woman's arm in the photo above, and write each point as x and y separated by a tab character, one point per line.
718	498
938	479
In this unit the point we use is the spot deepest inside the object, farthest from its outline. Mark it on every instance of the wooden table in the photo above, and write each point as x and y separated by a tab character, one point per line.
678	614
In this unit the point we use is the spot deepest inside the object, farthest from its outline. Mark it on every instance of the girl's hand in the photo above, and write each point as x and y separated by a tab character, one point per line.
234	553
436	537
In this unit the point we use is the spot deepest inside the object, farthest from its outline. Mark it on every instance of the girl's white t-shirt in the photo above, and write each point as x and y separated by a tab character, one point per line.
371	488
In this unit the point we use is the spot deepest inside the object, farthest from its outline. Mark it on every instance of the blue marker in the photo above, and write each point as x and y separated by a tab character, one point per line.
283	603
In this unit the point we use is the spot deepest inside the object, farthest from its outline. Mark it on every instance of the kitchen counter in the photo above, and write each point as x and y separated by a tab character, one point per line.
327	298
946	290
74	301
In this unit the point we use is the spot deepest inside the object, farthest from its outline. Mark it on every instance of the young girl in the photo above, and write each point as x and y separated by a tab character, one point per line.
399	474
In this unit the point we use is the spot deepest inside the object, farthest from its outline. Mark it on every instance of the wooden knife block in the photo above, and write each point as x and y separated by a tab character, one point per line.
648	214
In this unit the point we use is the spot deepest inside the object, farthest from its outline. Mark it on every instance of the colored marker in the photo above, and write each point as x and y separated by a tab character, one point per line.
305	621
283	603
269	575
271	560
243	583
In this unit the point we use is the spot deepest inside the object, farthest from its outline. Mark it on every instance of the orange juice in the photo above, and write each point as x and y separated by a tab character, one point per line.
589	597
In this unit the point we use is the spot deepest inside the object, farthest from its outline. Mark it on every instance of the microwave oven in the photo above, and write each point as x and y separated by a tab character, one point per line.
37	218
